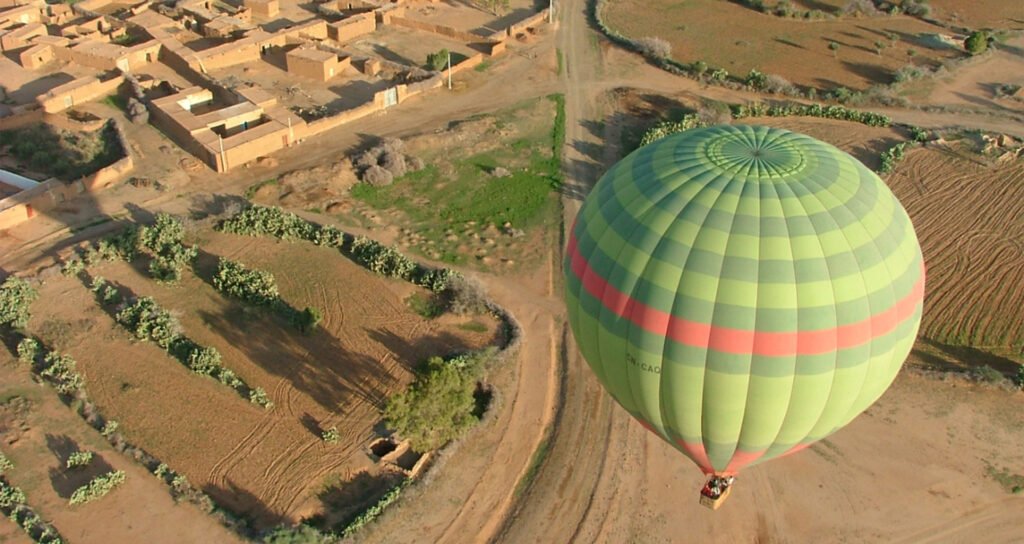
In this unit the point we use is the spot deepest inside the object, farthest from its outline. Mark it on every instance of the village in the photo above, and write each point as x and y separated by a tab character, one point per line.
227	83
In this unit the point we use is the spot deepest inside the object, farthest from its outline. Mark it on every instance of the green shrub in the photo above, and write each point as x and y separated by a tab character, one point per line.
148	321
110	428
259	396
427	306
268	221
16	297
1018	378
330	436
300	534
5	464
890	157
384	260
987	374
253	286
28	350
205	361
97	488
756	80
11	496
59	370
164	239
977	42
79	459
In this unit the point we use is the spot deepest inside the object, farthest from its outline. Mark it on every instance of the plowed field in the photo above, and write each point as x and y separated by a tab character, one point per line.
969	217
268	465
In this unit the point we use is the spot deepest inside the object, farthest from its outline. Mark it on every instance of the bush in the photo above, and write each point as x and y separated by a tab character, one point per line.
859	7
109	429
977	42
384	260
97	488
79	459
254	286
1018	378
5	464
654	48
268	221
909	72
60	371
437	61
164	240
28	350
205	361
148	321
986	374
300	534
16	297
890	157
330	436
756	80
259	396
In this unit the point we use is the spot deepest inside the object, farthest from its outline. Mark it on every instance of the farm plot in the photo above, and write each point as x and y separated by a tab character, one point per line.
269	466
867	51
968	216
38	434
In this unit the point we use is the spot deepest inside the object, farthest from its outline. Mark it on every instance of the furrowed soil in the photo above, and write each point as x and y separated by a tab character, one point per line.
967	210
738	39
37	432
269	466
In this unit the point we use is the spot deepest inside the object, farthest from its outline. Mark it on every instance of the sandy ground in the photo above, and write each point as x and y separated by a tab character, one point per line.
974	84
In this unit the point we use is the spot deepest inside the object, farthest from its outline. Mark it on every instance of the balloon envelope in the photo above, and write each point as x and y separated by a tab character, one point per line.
743	291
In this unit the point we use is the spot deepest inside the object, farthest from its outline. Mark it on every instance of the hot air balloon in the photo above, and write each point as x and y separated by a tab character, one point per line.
743	291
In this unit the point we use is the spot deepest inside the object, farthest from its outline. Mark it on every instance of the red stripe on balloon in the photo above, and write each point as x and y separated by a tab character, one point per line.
739	341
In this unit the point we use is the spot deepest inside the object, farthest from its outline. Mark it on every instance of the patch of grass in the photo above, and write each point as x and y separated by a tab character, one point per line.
250	193
483	66
560	60
63	153
539	455
425	305
474	326
116	101
1009	481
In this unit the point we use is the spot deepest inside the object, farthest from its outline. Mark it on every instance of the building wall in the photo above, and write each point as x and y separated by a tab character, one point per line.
311	68
78	91
35	56
353	27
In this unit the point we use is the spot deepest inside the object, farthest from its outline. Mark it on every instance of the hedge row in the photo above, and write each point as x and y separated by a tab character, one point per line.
97	488
146	320
387	261
14	504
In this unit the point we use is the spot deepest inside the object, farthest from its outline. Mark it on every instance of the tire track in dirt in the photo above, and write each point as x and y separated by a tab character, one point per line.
970	222
219	471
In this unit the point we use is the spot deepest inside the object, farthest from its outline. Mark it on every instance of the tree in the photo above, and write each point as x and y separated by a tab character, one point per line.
16	296
879	46
436	409
977	42
437	61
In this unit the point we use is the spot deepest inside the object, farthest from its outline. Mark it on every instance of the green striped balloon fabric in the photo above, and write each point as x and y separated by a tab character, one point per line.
743	291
